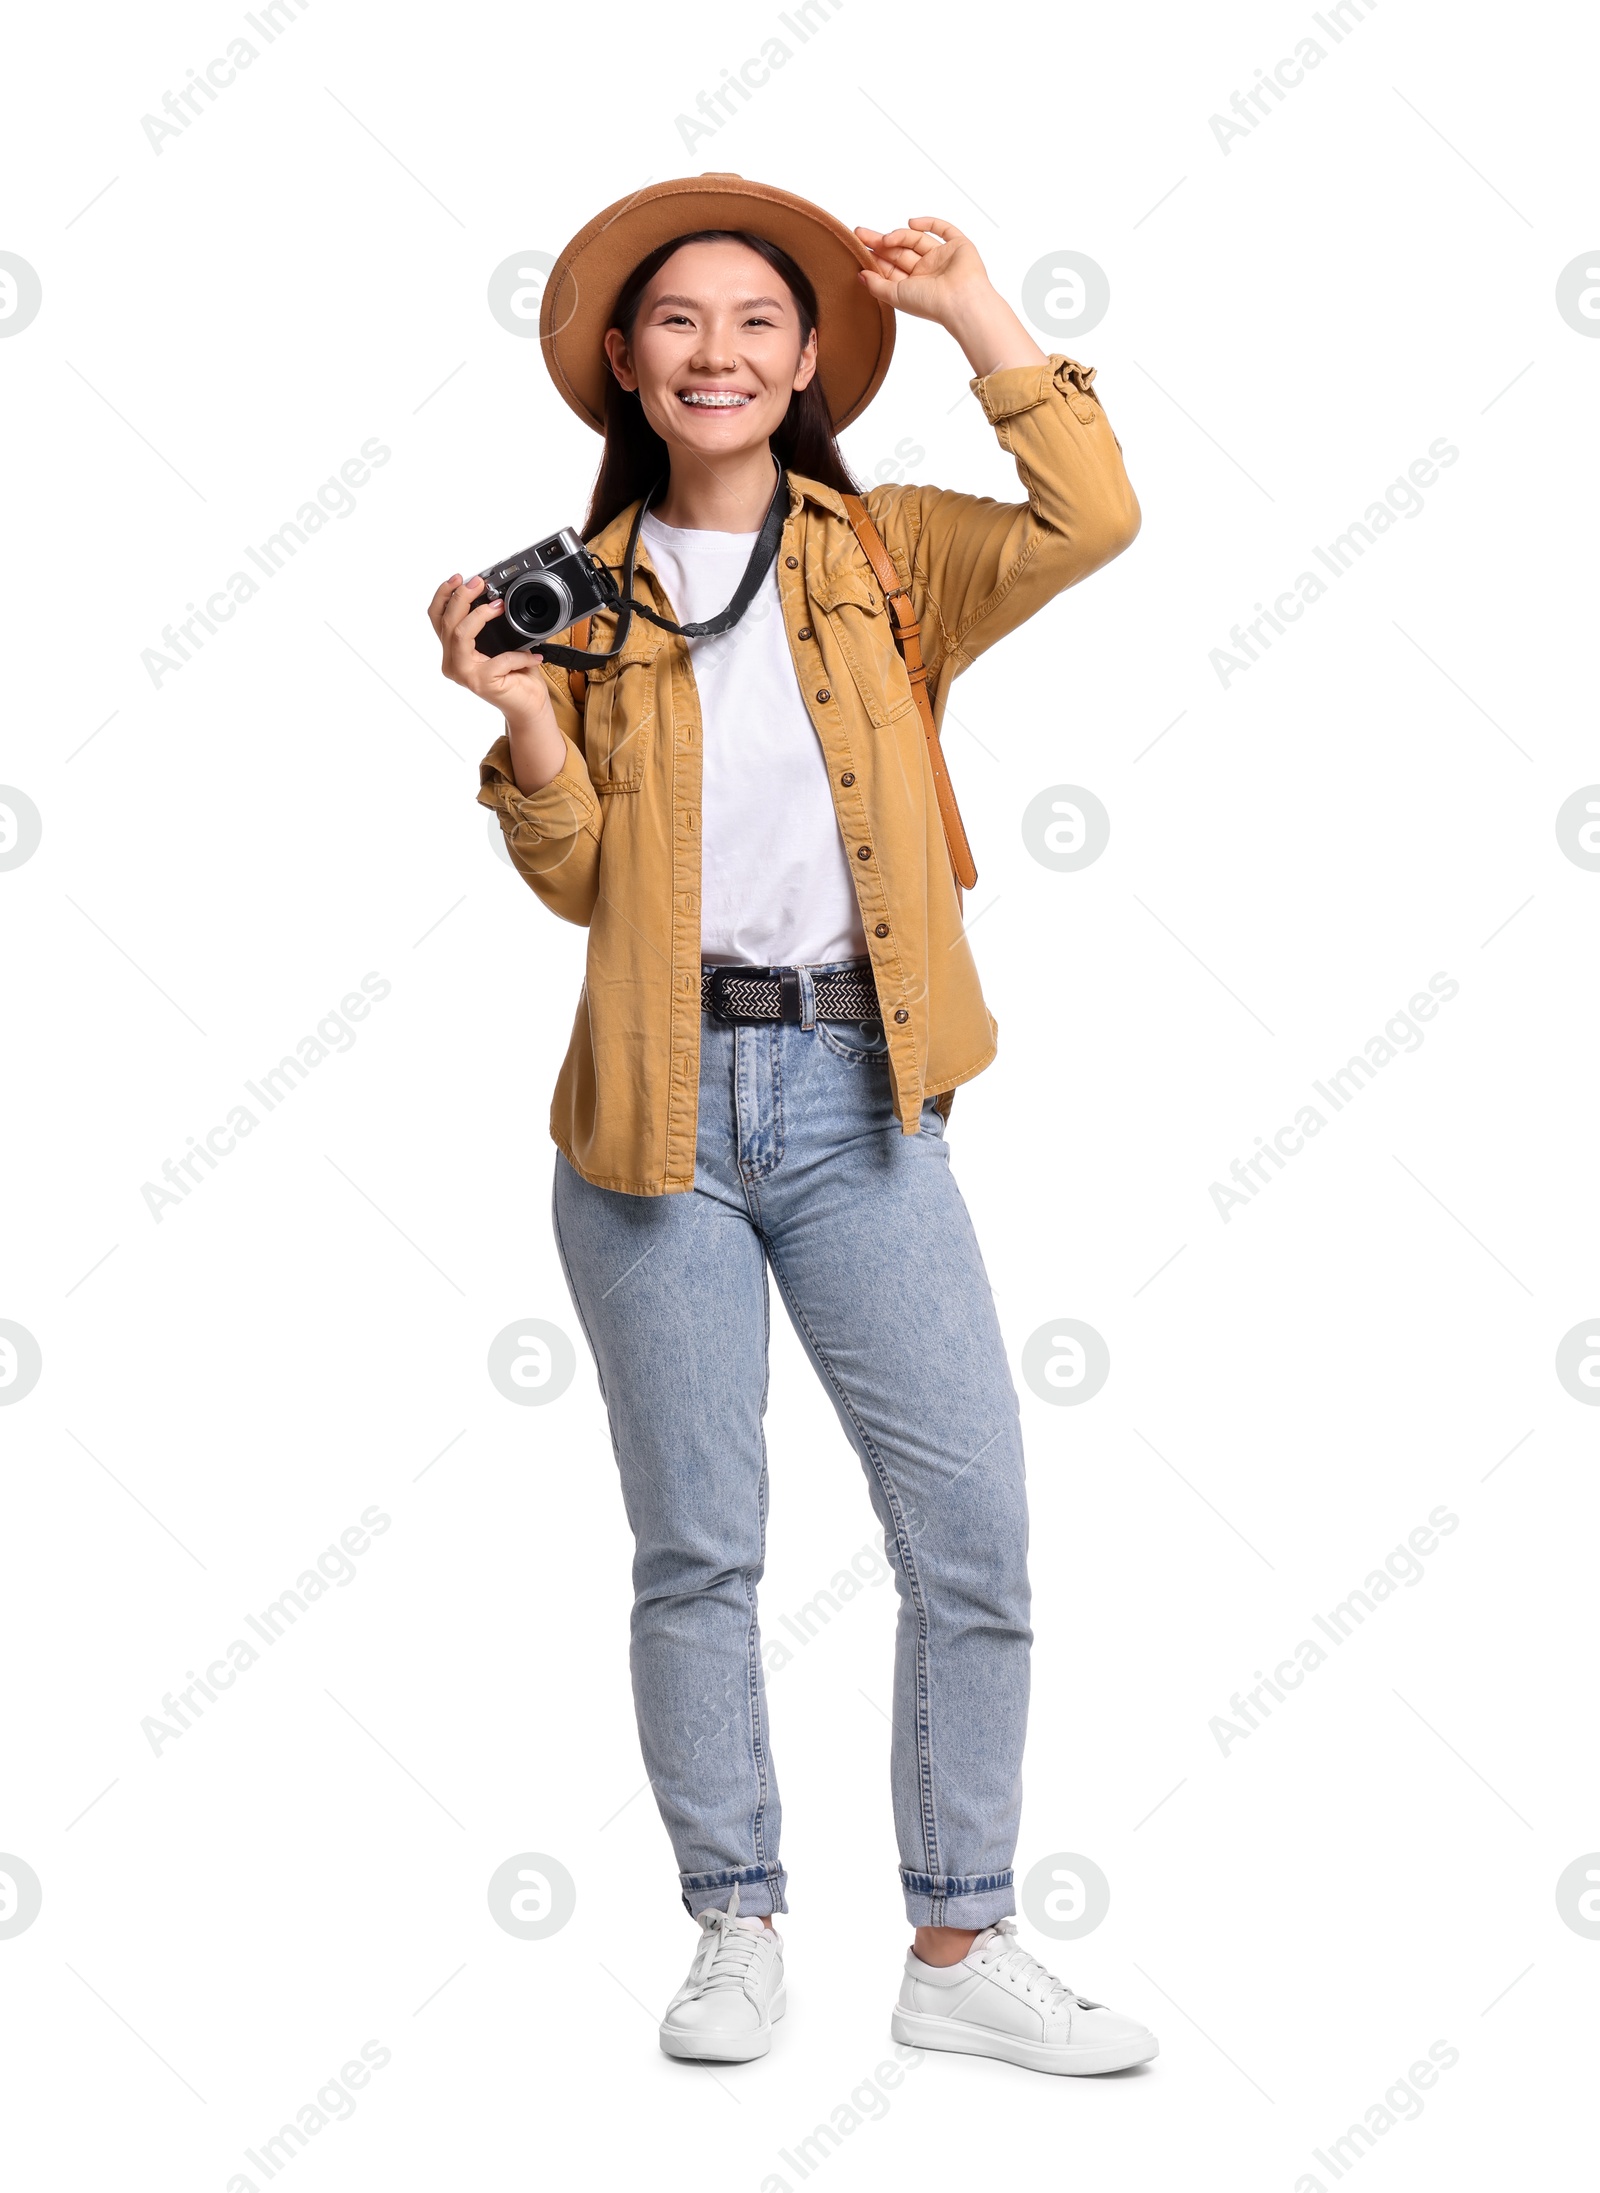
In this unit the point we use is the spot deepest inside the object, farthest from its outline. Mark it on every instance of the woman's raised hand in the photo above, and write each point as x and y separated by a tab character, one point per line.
928	268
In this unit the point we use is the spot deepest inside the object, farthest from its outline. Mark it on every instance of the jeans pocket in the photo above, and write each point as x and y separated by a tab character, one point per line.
859	1041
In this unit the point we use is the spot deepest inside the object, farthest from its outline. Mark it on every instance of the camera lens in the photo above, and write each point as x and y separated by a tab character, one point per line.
538	605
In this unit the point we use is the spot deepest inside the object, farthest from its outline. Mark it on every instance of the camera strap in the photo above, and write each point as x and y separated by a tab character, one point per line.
907	638
625	607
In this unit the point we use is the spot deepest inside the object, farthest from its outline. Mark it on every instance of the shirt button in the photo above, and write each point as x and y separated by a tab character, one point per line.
901	1013
824	695
863	852
849	777
805	632
791	563
882	930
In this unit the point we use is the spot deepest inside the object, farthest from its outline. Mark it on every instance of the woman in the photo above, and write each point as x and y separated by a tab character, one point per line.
765	800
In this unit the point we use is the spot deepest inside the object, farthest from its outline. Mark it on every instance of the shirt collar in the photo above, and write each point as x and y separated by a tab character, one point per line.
813	491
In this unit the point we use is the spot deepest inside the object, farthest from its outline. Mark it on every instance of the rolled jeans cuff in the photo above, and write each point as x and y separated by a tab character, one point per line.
953	1899
760	1891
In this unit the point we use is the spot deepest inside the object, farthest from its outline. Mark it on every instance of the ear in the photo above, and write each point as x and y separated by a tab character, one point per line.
616	348
806	369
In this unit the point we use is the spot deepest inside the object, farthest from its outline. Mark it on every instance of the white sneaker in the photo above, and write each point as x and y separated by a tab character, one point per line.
724	2010
999	2001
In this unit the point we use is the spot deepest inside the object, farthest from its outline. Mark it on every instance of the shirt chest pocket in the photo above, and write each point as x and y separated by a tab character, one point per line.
850	614
621	705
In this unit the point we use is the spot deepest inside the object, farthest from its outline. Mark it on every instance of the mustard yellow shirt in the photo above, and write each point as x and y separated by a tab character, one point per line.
613	841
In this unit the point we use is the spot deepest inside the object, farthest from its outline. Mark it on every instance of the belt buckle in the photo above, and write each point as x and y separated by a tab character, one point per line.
732	971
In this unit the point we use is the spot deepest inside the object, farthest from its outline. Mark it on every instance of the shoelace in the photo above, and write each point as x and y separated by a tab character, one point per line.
1004	1954
733	1956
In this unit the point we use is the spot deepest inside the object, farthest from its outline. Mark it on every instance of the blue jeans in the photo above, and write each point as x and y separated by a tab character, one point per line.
801	1164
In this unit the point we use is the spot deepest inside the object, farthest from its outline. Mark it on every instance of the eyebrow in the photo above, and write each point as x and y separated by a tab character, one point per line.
744	304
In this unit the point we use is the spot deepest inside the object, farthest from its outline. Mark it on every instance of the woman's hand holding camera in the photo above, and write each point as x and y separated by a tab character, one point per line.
514	682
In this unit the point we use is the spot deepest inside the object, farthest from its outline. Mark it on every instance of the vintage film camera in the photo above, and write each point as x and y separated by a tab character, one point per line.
545	589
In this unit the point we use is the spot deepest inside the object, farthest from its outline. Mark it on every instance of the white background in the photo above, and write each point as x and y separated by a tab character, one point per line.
224	857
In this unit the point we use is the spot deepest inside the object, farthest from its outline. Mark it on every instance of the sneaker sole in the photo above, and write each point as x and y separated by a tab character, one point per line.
723	2048
922	2031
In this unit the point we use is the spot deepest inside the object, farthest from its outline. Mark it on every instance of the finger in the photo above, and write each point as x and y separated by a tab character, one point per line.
467	628
892	292
907	248
895	264
441	594
457	606
945	229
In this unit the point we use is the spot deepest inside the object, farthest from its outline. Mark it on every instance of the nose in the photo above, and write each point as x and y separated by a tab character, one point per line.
711	358
714	353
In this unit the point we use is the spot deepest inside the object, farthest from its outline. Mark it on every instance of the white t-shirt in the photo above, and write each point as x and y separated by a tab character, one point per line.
775	884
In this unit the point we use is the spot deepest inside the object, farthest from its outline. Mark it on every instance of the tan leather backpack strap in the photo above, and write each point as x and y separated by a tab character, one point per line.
908	638
577	681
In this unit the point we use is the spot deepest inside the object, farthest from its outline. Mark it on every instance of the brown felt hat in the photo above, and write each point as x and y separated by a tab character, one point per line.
855	333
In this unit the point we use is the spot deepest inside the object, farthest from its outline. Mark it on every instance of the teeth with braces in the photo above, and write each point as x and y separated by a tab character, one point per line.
711	399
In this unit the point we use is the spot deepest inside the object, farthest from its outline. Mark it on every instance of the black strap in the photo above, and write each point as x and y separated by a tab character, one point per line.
735	992
625	607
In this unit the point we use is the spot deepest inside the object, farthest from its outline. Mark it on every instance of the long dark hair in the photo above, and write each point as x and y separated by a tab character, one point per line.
635	456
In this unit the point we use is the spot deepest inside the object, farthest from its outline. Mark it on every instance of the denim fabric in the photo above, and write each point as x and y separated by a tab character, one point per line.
803	1165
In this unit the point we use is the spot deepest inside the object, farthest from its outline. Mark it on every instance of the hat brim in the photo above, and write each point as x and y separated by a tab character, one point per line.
855	332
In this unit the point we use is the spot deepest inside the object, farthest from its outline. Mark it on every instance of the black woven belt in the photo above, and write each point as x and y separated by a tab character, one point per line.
773	993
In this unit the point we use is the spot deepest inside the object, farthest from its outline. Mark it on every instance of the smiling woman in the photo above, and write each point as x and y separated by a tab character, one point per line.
670	348
736	786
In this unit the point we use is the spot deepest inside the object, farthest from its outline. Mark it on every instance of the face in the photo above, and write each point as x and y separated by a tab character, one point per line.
716	352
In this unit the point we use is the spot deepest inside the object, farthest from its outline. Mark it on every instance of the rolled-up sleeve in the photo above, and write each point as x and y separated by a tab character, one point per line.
552	835
978	567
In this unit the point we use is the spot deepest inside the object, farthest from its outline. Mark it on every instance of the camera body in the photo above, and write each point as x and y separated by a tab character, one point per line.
545	589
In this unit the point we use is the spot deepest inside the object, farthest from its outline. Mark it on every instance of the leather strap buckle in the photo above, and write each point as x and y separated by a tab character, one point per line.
721	976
